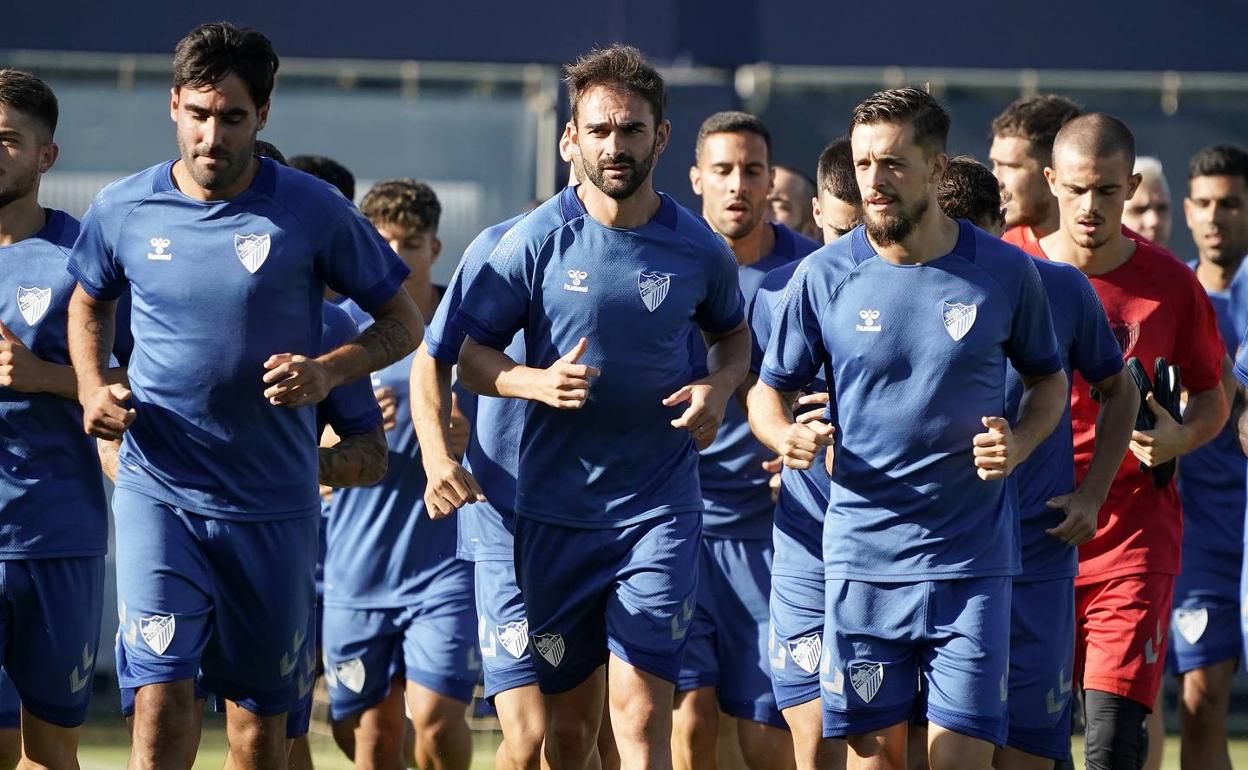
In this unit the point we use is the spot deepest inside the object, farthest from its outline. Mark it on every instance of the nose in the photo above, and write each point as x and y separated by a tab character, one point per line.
210	132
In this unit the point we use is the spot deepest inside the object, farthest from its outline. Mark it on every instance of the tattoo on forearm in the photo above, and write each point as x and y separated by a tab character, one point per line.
355	461
107	451
385	342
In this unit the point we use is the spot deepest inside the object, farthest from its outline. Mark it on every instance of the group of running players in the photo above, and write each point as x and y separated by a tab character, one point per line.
886	486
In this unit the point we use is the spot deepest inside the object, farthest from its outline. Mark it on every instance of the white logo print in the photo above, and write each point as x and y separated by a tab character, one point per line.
870	321
837	685
515	637
349	674
958	318
159	254
866	677
252	250
33	303
1192	623
550	647
577	281
157	631
654	288
806	652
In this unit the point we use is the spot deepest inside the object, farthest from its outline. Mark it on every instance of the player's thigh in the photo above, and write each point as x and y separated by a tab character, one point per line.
700	666
795	638
1126	621
439	639
502	628
1041	667
48	745
363	653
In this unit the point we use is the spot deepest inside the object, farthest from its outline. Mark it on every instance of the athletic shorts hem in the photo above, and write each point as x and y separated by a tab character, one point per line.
1185	662
37	555
10	721
843	724
985	729
61	716
690	508
796	696
1123	688
752	711
927	576
176	671
266	705
651	663
1053	743
446	686
1140	570
495	687
689	683
357	705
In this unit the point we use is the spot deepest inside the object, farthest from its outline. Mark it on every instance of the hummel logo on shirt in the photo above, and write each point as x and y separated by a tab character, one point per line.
159	255
870	321
577	278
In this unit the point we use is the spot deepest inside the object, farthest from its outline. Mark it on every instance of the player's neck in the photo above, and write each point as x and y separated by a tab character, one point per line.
21	219
1100	260
633	211
1216	277
754	245
934	236
189	187
419	286
1045	227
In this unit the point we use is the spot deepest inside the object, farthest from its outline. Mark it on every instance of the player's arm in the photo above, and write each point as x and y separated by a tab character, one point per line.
728	363
354	461
489	371
449	484
90	336
1203	419
796	441
1002	447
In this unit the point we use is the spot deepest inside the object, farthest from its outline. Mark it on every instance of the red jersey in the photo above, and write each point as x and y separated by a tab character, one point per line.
1156	308
1020	236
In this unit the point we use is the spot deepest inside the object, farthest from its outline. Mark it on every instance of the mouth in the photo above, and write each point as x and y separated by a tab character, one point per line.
738	208
879	201
1088	225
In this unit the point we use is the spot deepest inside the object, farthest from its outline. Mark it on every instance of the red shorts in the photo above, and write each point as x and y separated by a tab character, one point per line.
1121	629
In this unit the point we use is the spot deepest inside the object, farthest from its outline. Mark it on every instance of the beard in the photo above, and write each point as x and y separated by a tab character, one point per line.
888	230
624	187
22	185
224	174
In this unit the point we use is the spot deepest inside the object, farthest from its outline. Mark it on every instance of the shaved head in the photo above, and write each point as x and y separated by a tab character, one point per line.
1095	136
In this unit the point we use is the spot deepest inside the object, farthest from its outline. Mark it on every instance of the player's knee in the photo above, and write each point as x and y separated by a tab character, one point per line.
1205	698
574	737
47	748
695	721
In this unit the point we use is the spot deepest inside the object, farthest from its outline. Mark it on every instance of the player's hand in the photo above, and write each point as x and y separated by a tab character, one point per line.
816	414
1079	526
774	466
19	368
104	412
389	406
449	487
994	450
460	429
1161	444
802	442
295	380
565	383
327	493
704	413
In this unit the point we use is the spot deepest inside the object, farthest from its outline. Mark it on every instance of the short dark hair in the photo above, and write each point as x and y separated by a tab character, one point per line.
836	172
1219	160
29	95
327	170
732	122
620	67
269	150
1037	119
906	105
1097	135
797	172
211	52
403	202
970	191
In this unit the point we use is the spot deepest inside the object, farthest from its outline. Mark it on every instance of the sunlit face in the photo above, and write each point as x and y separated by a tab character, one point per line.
26	153
1216	210
732	177
788	199
217	128
418	248
1091	194
834	216
896	178
1148	212
615	142
1021	176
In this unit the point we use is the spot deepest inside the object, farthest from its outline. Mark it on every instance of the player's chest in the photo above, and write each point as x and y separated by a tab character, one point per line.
34	301
622	287
1144	327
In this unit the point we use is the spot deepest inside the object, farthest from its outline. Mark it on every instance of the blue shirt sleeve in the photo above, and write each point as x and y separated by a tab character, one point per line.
760	327
92	261
353	259
444	337
795	352
1032	346
496	304
349	409
1095	353
722	309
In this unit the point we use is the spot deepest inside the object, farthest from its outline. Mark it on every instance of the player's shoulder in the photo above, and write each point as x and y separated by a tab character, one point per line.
479	248
299	190
690	228
527	234
836	260
1160	261
119	197
60	230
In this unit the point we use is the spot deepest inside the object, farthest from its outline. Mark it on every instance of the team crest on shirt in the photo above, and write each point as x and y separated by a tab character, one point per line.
350	674
1127	333
550	647
866	678
157	631
33	303
1191	623
514	637
806	652
252	250
654	288
958	318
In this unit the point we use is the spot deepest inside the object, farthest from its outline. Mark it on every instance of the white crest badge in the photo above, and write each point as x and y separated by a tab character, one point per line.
515	637
33	303
806	652
958	318
350	674
252	250
550	647
654	288
1192	623
157	631
866	677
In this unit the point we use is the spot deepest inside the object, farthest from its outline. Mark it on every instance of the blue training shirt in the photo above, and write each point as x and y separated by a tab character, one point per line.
51	490
736	499
559	275
218	287
917	356
1085	344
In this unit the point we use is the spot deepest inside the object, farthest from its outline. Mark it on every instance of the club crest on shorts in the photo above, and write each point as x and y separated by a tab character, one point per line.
157	631
958	318
654	288
33	303
1191	623
515	637
550	647
252	250
350	674
866	678
806	652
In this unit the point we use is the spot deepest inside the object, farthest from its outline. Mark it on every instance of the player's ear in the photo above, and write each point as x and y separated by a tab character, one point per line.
940	164
662	133
1133	184
262	115
695	179
47	156
435	249
1050	176
173	104
817	212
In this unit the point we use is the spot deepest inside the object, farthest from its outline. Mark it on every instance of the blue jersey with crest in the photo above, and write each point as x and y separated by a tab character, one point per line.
560	275
51	492
736	499
217	287
1085	344
916	355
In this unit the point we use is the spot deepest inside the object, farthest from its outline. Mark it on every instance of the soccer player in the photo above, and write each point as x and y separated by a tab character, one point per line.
53	516
226	256
790	191
1022	146
398	602
604	279
726	664
838	205
1056	516
912	320
1149	211
1205	645
1156	309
